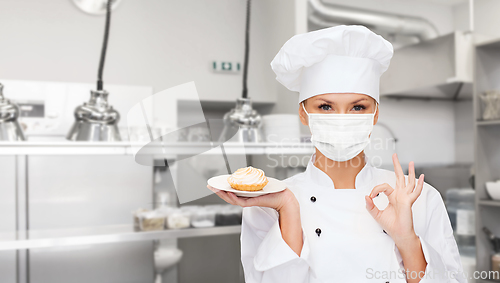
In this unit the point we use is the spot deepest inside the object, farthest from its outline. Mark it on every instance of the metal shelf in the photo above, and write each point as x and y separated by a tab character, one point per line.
487	202
104	235
64	148
486	137
493	43
165	150
488	123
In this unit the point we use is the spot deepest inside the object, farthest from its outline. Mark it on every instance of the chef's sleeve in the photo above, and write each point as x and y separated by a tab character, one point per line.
265	255
438	244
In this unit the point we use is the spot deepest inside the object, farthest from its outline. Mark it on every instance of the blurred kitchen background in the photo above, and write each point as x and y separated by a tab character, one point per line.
76	203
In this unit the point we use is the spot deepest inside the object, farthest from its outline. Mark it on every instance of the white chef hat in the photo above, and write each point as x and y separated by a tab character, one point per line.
339	59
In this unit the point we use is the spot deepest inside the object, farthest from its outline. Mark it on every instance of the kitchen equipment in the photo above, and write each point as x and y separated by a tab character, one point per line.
203	217
446	176
494	240
9	125
439	68
97	121
163	198
493	189
46	109
229	215
150	220
495	259
95	7
490	102
243	119
77	191
281	128
461	210
457	199
242	123
164	259
178	219
136	214
220	182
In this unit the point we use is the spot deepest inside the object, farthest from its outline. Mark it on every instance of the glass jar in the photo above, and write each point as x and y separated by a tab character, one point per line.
490	101
461	210
203	217
137	219
229	215
151	220
178	219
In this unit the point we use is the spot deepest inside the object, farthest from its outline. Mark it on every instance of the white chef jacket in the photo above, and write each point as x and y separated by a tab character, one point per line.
341	240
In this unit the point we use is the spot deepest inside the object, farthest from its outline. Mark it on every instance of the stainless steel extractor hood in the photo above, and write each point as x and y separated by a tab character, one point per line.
328	14
440	68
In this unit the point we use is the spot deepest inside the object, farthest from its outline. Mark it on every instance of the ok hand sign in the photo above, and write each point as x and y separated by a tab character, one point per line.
396	219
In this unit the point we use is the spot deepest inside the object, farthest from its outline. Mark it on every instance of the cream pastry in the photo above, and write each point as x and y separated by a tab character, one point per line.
248	179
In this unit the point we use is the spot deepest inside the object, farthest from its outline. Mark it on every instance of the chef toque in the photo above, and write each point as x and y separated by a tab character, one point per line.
339	59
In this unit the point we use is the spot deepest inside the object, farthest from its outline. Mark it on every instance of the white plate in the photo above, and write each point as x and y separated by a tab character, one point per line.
273	186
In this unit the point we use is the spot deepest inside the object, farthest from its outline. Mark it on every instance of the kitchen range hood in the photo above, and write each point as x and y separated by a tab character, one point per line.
328	14
437	67
440	68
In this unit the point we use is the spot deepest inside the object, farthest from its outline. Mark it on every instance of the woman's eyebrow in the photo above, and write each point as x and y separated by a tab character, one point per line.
359	100
327	101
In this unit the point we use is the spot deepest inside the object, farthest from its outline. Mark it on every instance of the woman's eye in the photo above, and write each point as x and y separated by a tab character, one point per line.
325	107
358	108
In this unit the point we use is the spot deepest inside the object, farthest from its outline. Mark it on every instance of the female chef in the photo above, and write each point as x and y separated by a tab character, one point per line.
343	220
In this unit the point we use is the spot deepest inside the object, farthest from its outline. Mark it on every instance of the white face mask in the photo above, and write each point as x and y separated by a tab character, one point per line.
340	137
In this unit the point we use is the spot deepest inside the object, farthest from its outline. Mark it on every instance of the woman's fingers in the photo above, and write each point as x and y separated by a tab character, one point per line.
385	188
400	176
212	189
273	200
372	209
247	201
222	194
233	199
411	177
236	200
418	189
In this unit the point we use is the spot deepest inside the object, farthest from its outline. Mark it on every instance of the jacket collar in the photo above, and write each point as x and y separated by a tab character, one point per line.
321	179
